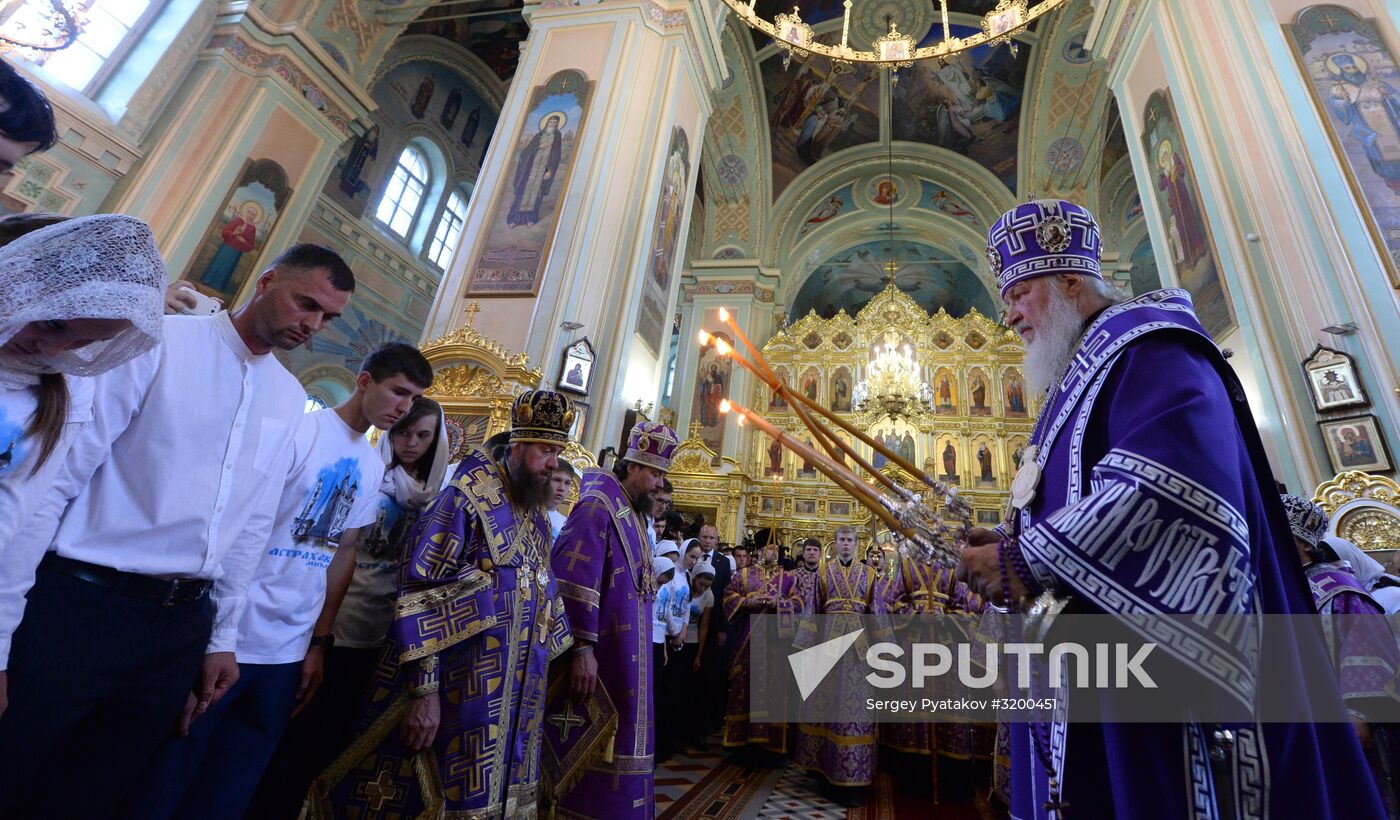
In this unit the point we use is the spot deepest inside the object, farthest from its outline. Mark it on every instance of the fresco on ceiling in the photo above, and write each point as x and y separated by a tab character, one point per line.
812	12
971	106
1179	205
814	111
496	39
934	197
885	190
421	94
930	276
833	206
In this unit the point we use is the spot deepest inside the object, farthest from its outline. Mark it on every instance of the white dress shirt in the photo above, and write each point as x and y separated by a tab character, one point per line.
178	474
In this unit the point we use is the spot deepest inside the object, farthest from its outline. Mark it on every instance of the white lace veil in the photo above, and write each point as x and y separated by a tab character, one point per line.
94	267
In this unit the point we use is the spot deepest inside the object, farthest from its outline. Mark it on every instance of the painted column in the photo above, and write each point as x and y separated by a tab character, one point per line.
1244	178
585	195
746	291
249	181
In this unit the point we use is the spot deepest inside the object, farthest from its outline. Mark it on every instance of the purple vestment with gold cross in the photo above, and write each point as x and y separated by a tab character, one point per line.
602	560
843	753
787	596
478	619
921	588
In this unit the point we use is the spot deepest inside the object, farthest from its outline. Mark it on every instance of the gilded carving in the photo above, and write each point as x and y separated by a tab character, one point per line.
1365	509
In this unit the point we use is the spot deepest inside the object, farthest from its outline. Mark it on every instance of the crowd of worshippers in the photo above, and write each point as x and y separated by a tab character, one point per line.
214	603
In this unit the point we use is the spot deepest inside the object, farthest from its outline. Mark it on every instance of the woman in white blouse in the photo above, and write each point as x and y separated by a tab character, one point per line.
77	298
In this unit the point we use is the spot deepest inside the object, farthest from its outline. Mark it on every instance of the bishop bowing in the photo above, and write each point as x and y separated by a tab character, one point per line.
455	712
602	559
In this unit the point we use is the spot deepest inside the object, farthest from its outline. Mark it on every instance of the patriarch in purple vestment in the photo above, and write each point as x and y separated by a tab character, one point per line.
761	587
603	561
456	705
842	753
1146	492
1360	641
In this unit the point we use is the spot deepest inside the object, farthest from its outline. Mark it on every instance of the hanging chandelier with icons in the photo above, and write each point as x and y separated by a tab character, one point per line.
895	48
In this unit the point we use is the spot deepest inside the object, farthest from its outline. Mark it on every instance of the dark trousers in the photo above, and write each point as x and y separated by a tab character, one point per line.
211	772
317	736
691	730
96	681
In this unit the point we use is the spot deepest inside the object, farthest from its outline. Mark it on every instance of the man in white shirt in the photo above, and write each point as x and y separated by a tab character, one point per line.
330	496
170	493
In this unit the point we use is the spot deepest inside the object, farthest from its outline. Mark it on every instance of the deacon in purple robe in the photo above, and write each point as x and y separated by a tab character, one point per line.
843	754
1361	643
953	757
602	559
456	703
1146	492
762	587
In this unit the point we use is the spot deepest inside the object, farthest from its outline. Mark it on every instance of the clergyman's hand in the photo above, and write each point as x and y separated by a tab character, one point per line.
584	675
420	722
978	568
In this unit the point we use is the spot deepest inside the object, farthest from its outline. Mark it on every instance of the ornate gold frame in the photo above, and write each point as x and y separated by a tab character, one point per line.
707	483
475	375
1364	509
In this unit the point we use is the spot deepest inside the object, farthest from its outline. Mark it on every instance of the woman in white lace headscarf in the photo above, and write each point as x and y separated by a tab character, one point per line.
1384	587
76	299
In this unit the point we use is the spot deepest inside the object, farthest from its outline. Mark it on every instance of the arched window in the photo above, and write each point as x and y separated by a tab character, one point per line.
112	28
449	230
404	193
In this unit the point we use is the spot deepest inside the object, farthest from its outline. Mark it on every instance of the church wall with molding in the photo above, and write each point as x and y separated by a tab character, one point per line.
155	139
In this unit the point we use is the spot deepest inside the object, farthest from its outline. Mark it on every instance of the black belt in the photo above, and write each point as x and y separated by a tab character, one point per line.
164	591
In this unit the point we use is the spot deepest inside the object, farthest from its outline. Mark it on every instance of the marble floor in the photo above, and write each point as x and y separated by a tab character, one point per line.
709	785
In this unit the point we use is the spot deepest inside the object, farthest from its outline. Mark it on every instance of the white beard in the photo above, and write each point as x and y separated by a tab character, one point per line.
1056	339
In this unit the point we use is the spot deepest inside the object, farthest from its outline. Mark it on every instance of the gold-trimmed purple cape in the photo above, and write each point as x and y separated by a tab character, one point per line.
477	621
602	559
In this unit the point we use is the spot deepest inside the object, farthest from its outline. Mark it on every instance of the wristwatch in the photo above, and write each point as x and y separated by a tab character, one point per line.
323	640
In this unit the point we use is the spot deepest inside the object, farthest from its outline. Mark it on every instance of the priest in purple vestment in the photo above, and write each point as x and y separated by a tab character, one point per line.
843	754
1361	642
456	704
952	757
1145	461
762	587
602	559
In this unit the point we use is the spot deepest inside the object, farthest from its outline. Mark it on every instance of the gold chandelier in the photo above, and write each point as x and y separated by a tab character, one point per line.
895	49
892	385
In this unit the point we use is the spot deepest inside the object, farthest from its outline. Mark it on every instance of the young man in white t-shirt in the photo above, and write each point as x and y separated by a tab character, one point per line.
330	495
